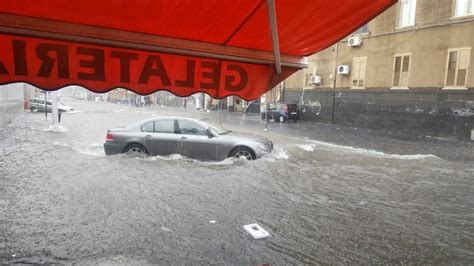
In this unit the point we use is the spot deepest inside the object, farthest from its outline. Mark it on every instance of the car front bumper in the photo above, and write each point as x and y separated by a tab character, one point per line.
259	153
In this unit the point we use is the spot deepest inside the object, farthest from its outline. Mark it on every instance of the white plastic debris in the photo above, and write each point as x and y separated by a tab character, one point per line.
256	231
14	255
212	221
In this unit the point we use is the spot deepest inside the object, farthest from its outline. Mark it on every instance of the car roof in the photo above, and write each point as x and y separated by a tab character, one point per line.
142	122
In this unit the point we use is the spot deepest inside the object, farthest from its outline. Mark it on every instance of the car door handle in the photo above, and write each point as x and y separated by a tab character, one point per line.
183	138
148	137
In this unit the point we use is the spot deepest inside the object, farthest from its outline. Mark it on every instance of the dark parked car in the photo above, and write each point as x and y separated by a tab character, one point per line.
283	111
199	139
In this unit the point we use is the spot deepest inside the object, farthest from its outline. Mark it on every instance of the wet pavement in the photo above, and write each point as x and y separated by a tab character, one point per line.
327	195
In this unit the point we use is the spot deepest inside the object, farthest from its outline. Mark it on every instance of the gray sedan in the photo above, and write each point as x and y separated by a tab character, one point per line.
198	139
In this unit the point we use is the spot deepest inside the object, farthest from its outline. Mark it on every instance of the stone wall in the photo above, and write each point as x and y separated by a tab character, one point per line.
445	113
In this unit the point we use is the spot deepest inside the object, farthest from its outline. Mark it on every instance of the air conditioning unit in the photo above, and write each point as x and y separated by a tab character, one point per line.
315	80
343	70
354	41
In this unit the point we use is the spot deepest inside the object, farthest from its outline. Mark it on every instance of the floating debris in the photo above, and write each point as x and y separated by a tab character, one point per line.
256	231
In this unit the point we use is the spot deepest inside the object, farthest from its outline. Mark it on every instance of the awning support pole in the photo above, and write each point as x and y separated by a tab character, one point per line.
274	31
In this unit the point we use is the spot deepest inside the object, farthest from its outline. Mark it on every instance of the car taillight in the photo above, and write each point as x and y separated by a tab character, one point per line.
109	137
285	108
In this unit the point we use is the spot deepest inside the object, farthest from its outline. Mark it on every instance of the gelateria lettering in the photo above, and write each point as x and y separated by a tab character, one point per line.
52	60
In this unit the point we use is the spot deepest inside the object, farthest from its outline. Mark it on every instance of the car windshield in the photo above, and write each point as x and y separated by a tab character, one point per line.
217	128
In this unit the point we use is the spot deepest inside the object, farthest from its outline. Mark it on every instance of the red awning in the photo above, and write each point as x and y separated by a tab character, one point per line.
220	47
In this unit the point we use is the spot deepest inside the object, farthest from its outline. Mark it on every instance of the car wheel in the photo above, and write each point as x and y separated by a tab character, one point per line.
281	119
136	149
242	153
33	110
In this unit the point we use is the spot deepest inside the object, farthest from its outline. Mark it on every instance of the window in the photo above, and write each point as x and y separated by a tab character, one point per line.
363	29
191	128
309	74
456	67
164	126
148	127
464	8
358	72
400	70
407	13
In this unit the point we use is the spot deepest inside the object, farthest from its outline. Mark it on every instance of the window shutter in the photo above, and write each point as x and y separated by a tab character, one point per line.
397	70
452	64
355	72
404	72
462	68
362	66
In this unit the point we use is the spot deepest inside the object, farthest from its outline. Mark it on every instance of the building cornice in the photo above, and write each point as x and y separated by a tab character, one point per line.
449	22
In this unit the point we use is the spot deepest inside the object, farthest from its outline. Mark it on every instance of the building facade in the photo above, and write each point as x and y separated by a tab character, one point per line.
410	68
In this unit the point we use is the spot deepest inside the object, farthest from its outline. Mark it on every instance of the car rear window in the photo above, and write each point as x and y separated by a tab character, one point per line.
164	126
148	127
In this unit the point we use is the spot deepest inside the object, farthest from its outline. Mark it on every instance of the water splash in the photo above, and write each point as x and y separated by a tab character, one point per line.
95	149
374	152
277	154
56	128
306	147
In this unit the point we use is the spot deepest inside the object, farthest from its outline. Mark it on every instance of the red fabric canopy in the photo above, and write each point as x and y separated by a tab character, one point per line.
218	47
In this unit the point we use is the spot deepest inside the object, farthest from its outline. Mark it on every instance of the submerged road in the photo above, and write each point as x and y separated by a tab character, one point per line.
327	194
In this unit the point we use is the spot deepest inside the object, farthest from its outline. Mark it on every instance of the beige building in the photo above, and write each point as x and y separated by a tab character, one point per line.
410	68
413	44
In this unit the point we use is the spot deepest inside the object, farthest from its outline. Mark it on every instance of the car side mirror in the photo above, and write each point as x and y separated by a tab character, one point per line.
209	133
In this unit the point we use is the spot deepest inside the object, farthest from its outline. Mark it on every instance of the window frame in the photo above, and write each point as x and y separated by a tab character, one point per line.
144	124
309	72
412	3
193	122
359	59
154	126
455	5
456	87
360	32
393	87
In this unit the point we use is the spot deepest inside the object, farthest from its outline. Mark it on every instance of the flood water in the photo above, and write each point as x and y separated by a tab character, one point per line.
63	201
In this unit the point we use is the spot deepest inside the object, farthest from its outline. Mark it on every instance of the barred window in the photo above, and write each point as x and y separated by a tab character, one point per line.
363	29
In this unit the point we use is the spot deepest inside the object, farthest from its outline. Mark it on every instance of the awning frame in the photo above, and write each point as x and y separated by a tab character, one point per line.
65	31
274	31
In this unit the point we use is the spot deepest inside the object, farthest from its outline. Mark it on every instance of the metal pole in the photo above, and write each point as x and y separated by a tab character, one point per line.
266	119
54	107
274	32
334	84
46	105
